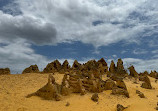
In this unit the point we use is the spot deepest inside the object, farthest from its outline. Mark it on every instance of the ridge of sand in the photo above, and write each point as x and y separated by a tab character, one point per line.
15	88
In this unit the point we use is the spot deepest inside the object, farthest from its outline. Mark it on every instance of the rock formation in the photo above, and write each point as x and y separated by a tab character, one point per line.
109	84
31	69
53	67
103	67
120	68
65	67
146	81
51	91
140	94
4	71
112	68
120	88
154	74
120	107
133	72
76	65
120	91
120	84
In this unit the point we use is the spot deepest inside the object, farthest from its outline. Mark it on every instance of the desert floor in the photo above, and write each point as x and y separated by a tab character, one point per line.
15	88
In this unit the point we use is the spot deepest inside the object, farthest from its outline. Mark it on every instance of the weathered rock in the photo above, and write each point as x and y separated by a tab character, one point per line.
102	61
4	71
53	67
154	74
120	84
120	68
65	67
140	94
109	84
120	91
76	65
50	91
103	67
133	72
112	68
146	82
31	69
95	97
120	107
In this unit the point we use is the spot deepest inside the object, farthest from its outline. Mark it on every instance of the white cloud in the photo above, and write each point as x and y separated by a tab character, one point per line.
140	51
60	21
18	55
141	65
48	22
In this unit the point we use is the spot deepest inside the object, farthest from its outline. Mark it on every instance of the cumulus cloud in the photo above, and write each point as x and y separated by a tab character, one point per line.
28	28
49	22
59	21
19	55
141	65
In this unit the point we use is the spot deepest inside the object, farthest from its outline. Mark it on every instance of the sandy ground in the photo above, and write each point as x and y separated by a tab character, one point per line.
14	88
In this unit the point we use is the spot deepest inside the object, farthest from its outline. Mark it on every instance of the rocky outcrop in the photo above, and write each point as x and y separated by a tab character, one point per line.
109	84
51	91
120	91
133	72
4	71
120	84
102	61
112	68
120	68
102	66
146	82
76	65
53	67
31	69
154	74
120	88
65	67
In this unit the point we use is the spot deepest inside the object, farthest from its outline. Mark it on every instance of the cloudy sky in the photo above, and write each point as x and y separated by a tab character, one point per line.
40	31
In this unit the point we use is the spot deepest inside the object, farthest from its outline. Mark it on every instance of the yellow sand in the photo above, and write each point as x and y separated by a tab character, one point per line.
14	88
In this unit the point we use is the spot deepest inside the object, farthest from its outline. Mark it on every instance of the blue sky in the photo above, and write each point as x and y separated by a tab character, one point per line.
33	32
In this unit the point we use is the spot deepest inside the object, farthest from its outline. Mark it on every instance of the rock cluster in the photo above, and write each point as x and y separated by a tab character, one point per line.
51	91
98	67
117	71
88	77
4	71
154	74
31	69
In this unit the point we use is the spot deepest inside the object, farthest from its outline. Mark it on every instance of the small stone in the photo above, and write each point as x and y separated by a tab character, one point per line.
57	97
156	108
120	107
67	104
95	97
140	94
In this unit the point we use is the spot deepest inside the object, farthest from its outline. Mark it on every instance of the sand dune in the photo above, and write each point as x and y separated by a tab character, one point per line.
15	88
